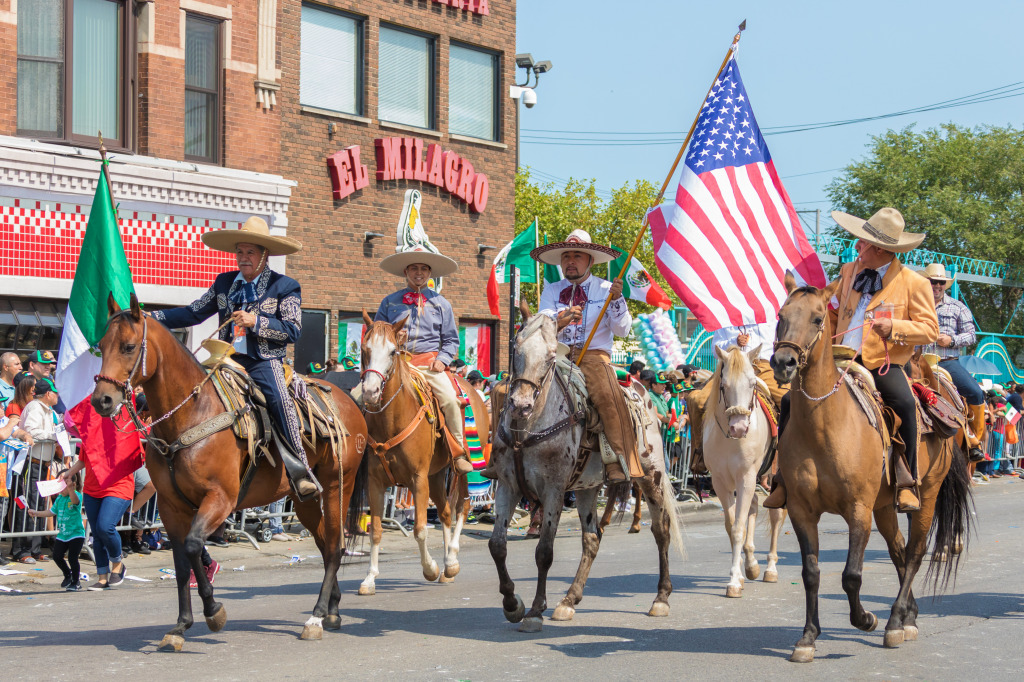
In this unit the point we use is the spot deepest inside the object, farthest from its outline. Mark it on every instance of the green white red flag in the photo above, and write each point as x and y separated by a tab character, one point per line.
637	283
516	252
102	270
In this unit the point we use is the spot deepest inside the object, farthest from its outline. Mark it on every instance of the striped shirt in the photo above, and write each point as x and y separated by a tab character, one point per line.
956	321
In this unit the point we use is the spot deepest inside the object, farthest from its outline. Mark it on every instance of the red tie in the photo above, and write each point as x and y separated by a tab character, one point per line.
413	298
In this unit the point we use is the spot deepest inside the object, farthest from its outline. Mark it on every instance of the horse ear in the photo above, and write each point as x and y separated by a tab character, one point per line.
720	353
790	282
754	353
397	326
524	308
136	308
401	336
366	319
832	289
112	307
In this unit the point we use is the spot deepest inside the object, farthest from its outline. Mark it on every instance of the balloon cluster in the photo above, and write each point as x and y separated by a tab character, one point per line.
659	343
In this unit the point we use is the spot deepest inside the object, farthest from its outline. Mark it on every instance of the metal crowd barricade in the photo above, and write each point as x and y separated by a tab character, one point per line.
29	465
1004	455
677	462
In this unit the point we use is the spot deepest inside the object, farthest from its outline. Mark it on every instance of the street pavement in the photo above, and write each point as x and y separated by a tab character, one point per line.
412	630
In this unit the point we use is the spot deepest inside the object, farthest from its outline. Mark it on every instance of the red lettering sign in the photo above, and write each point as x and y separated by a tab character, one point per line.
347	172
389	163
474	6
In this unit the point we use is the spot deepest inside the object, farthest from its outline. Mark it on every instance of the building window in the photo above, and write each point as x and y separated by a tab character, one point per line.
350	338
203	94
73	81
472	92
406	78
331	61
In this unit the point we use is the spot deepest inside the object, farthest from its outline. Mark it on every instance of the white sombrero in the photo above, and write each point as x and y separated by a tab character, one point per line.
884	230
937	271
253	231
578	240
440	265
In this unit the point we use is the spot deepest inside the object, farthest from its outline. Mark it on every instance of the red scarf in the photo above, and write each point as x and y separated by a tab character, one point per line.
572	295
413	298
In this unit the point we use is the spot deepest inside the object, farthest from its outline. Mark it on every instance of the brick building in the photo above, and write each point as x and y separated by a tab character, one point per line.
334	121
414	90
182	91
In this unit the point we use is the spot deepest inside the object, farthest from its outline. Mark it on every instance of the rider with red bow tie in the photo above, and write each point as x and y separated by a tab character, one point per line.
433	337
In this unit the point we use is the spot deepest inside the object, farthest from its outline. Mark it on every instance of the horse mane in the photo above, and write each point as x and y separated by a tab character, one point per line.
126	315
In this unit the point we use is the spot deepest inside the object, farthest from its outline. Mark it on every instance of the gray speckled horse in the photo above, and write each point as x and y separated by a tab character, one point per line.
538	402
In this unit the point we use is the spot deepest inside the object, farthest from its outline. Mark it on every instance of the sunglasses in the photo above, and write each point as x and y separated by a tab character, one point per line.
937	282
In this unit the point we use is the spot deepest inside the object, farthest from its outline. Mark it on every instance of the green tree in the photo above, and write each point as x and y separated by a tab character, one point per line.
965	188
615	220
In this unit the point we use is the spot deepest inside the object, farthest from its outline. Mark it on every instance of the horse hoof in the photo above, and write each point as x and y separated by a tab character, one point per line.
802	654
909	633
431	574
771	576
753	572
367	590
312	633
733	592
893	638
443	578
563	612
634	529
217	621
531	624
332	622
659	609
452	570
171	643
516	615
874	623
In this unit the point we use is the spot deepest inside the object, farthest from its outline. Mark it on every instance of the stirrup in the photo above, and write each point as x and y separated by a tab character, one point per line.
778	491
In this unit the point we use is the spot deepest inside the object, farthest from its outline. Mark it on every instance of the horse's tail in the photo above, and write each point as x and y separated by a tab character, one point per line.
359	499
618	492
674	524
951	523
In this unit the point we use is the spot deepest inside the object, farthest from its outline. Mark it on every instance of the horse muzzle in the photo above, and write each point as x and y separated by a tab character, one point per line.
106	402
784	364
739	426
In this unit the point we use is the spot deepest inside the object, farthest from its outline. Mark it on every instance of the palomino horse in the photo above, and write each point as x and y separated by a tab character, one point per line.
832	460
736	437
198	485
539	410
409	450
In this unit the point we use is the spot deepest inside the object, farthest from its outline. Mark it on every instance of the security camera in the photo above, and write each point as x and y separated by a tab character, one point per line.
529	98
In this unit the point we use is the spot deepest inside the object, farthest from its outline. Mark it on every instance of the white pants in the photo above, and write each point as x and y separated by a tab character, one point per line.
441	385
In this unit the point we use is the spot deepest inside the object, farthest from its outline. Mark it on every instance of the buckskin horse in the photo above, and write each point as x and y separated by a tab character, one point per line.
736	436
199	484
409	450
832	460
536	452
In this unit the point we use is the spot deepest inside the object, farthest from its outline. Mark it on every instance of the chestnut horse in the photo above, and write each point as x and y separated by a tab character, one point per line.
199	485
409	450
832	461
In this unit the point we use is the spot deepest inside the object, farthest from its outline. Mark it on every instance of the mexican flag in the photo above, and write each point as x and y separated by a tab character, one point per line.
552	273
475	347
350	341
516	252
102	270
1011	415
637	283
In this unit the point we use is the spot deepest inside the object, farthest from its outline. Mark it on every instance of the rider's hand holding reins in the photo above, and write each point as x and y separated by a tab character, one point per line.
571	315
882	326
243	319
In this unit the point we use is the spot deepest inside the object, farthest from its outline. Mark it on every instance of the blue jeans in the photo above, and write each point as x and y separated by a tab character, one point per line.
275	522
964	382
104	513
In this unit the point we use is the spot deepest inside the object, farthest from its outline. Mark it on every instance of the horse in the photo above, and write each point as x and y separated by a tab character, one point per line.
539	409
832	461
736	437
409	449
198	485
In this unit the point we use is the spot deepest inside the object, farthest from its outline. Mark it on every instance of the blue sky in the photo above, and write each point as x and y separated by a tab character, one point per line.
645	65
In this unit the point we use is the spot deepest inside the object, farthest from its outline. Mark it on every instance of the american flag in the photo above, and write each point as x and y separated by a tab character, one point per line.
727	240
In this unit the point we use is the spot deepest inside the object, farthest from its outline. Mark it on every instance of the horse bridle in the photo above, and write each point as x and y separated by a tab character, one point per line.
140	359
801	351
383	383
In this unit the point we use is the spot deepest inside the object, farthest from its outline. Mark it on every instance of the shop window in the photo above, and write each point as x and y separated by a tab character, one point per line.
472	92
406	78
331	61
203	89
475	346
75	71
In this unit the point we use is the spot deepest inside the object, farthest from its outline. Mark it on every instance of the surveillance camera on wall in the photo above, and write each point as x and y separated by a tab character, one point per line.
529	98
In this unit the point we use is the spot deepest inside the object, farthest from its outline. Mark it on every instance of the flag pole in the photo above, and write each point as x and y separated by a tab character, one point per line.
536	263
664	186
106	176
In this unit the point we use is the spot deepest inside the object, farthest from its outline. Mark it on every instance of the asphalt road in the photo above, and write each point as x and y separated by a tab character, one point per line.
412	630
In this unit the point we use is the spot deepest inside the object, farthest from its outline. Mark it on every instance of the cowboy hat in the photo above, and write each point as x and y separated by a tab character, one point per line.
578	240
884	230
440	266
253	231
936	271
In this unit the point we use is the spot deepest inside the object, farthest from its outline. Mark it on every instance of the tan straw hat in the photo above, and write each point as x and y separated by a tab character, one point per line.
884	230
937	271
578	240
253	231
440	265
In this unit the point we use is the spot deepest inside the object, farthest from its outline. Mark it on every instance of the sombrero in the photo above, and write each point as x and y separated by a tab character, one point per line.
440	266
938	272
884	230
253	231
578	240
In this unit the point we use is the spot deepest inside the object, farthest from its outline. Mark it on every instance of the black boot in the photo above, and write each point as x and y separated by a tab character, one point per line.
301	479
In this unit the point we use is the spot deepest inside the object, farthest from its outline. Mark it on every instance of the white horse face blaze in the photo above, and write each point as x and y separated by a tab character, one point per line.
738	385
380	357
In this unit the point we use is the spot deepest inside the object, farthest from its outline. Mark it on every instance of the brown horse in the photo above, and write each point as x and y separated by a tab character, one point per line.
408	450
833	462
199	485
